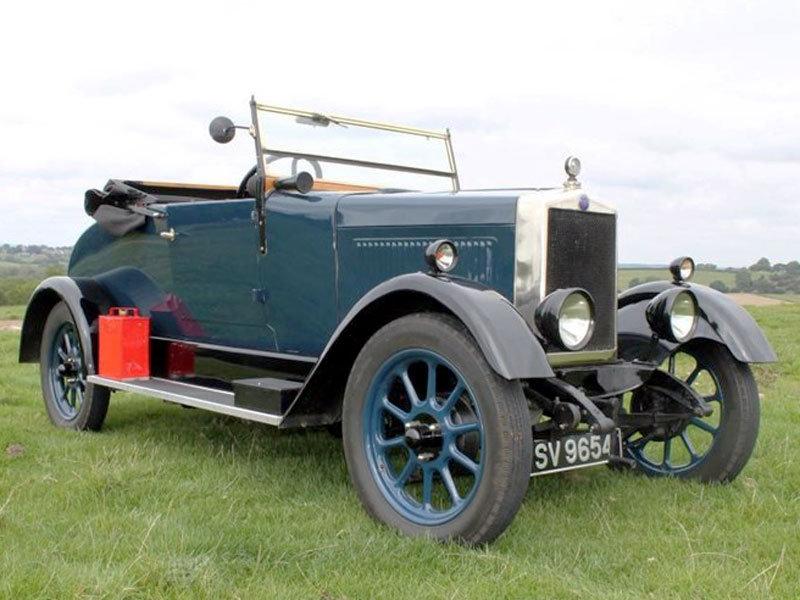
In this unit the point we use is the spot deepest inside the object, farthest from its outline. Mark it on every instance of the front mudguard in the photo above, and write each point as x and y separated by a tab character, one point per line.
507	342
720	320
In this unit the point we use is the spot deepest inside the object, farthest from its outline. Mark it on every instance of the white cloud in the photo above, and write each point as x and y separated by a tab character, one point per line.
686	115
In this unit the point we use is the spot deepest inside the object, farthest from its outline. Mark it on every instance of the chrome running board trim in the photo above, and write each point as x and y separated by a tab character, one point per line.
205	398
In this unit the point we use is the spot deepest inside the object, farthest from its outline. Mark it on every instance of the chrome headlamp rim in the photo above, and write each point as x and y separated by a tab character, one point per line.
549	316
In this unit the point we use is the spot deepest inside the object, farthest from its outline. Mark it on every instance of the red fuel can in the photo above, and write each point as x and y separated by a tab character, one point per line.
124	344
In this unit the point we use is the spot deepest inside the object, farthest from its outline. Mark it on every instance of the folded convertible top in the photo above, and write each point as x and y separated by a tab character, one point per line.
119	208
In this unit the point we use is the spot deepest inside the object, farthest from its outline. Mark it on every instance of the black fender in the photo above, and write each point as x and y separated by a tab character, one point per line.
720	320
86	300
506	340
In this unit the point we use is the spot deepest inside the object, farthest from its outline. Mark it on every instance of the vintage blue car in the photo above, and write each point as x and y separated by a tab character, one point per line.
464	340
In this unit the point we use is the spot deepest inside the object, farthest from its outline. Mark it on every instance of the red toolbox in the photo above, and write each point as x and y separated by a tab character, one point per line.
124	344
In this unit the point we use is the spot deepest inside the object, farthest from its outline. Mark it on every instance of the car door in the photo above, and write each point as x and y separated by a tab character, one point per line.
214	261
298	271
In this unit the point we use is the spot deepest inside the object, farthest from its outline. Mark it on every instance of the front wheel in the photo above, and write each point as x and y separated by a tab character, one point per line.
437	444
711	449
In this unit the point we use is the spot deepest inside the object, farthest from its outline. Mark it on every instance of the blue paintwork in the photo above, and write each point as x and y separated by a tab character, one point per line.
394	397
325	251
214	270
369	256
399	209
298	272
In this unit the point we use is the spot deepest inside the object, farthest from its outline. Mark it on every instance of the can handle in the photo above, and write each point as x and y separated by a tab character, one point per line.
123	311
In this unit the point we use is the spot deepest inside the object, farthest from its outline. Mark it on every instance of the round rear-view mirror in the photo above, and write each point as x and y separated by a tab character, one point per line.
222	130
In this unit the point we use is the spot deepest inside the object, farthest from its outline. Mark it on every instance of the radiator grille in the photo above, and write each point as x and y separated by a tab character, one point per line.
581	252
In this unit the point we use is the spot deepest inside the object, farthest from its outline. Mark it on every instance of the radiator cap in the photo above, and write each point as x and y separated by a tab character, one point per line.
573	168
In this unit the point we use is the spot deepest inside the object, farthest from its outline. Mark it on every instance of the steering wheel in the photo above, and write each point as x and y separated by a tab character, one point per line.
241	191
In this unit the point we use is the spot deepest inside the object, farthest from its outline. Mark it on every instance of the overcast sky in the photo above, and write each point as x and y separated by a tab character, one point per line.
686	114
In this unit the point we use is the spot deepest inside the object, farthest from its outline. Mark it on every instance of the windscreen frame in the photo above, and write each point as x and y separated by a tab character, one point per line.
263	150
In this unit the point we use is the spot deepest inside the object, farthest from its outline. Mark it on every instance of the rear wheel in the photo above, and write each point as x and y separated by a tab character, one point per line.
71	401
437	444
713	448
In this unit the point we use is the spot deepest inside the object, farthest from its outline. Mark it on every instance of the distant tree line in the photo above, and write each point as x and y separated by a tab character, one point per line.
33	249
22	267
762	277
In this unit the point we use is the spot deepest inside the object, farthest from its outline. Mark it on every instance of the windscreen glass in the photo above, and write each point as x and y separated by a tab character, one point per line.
323	146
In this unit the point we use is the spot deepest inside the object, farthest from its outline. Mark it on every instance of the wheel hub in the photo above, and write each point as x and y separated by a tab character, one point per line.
649	400
424	437
69	367
677	445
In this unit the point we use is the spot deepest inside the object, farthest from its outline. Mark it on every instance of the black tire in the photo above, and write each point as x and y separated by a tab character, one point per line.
737	423
91	412
504	417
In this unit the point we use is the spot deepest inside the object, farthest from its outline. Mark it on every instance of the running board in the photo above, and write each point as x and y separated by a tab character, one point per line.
206	398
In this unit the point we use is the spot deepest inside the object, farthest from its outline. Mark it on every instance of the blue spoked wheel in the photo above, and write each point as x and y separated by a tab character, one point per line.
67	372
713	448
422	429
71	401
437	444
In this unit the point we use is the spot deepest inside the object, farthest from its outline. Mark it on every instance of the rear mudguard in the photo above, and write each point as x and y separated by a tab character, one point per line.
720	320
506	340
86	300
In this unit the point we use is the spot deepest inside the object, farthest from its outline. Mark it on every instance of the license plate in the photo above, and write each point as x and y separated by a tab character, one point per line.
574	451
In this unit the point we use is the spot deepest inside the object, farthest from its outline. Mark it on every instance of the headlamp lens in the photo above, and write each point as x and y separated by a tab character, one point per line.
683	317
575	321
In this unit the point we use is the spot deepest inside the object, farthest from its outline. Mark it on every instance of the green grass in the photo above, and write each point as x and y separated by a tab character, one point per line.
8	313
167	503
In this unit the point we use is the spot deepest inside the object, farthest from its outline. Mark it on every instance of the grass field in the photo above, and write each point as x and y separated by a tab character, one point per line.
12	313
173	503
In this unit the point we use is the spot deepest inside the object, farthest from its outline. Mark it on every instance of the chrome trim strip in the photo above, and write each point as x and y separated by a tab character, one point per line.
570	468
528	253
210	399
564	359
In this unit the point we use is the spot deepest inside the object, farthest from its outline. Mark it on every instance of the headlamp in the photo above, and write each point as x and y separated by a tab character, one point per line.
682	268
566	318
673	314
442	256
